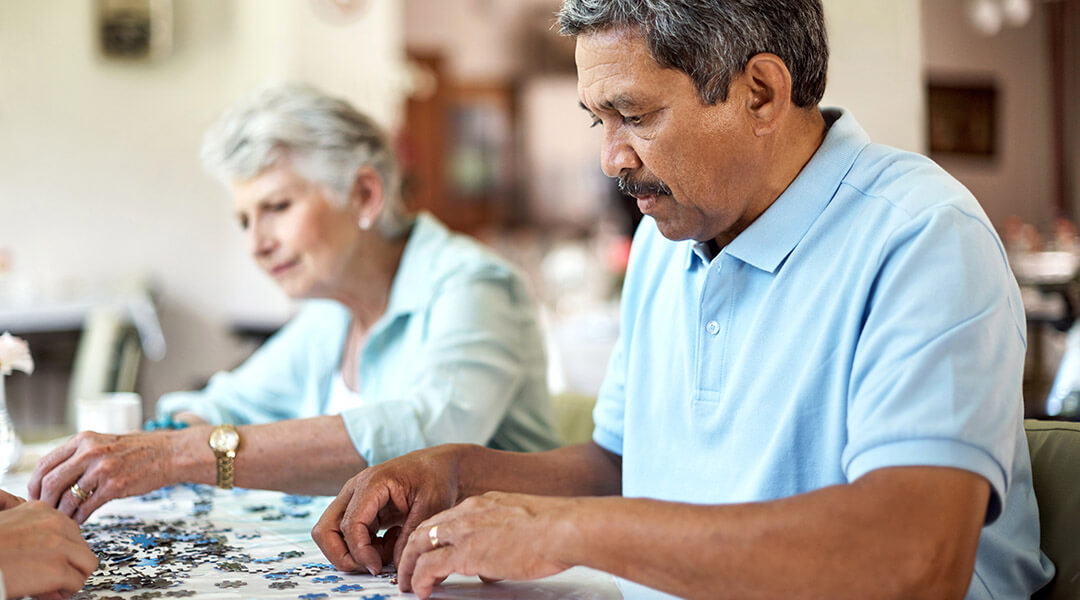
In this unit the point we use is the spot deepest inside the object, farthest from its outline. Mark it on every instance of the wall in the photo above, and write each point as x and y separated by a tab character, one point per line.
99	176
875	68
1017	180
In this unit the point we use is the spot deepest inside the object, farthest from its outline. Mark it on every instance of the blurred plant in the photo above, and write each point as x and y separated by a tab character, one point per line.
14	355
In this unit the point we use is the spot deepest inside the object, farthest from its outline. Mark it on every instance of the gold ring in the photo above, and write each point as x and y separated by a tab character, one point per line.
433	535
79	493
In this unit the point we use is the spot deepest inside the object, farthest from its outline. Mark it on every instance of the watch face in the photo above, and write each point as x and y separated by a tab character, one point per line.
224	439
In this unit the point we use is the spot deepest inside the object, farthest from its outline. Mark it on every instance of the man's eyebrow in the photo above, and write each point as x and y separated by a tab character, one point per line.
620	102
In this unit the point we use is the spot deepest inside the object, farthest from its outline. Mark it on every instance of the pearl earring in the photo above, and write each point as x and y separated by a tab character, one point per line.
365	223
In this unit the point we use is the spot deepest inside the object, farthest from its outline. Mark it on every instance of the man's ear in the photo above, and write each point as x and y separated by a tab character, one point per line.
366	196
769	84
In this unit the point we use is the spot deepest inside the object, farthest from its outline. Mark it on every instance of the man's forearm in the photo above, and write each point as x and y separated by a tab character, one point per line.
897	533
580	470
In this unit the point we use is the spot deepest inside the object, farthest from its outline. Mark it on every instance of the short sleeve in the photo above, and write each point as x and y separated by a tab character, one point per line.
936	378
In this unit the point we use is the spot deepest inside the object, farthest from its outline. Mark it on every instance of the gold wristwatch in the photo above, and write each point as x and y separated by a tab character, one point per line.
225	441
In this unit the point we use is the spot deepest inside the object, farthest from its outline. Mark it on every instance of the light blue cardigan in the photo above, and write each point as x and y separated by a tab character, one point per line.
458	357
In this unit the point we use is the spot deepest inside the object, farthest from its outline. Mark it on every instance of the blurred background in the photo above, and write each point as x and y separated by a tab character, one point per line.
122	265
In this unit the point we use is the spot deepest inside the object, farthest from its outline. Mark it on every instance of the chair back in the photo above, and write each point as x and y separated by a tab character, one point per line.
1055	470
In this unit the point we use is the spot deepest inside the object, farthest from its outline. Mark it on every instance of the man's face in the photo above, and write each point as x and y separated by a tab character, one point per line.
690	166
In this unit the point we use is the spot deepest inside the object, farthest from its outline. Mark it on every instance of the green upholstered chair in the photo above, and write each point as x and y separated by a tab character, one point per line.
1055	467
573	416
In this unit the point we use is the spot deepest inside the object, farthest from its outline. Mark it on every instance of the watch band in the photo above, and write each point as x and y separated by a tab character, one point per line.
225	469
225	441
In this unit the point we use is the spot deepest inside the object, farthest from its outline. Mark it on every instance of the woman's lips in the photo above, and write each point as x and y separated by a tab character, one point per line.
279	270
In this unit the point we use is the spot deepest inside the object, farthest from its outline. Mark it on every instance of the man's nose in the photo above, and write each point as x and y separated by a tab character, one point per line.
616	153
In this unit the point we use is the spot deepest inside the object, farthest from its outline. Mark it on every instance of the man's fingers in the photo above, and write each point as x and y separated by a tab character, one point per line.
418	543
388	544
359	524
432	568
327	536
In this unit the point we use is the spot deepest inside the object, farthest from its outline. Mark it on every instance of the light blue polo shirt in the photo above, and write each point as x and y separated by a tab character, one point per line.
867	319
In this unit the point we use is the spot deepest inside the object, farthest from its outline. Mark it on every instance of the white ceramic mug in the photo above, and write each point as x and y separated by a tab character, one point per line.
119	412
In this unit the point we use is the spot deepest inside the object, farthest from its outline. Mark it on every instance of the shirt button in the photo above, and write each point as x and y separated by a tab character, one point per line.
712	327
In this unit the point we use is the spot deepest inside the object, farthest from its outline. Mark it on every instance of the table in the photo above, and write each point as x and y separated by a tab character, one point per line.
203	542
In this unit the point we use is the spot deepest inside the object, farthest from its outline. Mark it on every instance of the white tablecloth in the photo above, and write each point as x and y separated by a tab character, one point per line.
201	541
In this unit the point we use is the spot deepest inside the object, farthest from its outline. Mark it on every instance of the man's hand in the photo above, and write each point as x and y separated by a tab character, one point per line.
105	467
494	536
41	551
396	495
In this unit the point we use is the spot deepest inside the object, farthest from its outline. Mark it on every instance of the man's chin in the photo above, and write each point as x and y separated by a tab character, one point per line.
672	231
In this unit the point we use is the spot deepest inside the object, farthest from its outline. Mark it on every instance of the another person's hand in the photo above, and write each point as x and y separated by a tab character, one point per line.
494	536
42	553
9	501
396	495
104	467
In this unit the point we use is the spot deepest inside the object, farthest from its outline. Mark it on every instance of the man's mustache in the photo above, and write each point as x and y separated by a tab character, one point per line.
640	189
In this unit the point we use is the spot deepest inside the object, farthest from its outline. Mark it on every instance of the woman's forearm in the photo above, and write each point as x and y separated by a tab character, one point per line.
300	456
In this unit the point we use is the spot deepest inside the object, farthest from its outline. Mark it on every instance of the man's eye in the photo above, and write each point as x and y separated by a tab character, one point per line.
595	121
634	120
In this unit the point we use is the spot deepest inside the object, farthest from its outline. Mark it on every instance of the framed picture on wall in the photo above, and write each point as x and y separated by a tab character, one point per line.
962	118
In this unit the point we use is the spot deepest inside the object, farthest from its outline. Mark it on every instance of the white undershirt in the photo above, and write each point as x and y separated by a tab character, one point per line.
341	397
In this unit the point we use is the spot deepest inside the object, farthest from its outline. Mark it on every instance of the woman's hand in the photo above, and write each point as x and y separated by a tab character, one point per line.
106	467
42	553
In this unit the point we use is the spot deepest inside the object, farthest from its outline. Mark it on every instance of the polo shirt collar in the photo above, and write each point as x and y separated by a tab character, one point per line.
771	238
412	287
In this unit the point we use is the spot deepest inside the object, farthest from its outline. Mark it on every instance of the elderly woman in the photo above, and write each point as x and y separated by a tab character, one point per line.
418	337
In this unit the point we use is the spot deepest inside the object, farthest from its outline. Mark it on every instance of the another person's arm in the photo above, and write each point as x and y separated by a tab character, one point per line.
42	553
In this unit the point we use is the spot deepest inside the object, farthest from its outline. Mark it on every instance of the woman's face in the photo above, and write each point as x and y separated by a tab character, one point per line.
295	233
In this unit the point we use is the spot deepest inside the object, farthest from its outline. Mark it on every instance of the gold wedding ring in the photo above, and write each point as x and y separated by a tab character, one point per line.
433	535
79	493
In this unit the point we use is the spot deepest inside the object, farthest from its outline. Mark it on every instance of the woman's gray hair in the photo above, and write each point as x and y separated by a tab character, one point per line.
325	139
712	40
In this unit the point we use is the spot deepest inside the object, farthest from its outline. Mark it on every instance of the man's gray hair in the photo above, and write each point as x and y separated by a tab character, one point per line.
324	139
712	40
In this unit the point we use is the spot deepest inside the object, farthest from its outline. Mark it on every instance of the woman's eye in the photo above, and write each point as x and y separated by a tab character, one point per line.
280	206
243	223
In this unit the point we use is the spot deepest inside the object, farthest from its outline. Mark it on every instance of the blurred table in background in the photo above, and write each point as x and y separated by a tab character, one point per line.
88	341
1049	289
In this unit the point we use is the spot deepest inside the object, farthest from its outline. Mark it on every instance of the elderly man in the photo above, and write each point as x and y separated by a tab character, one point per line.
816	392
